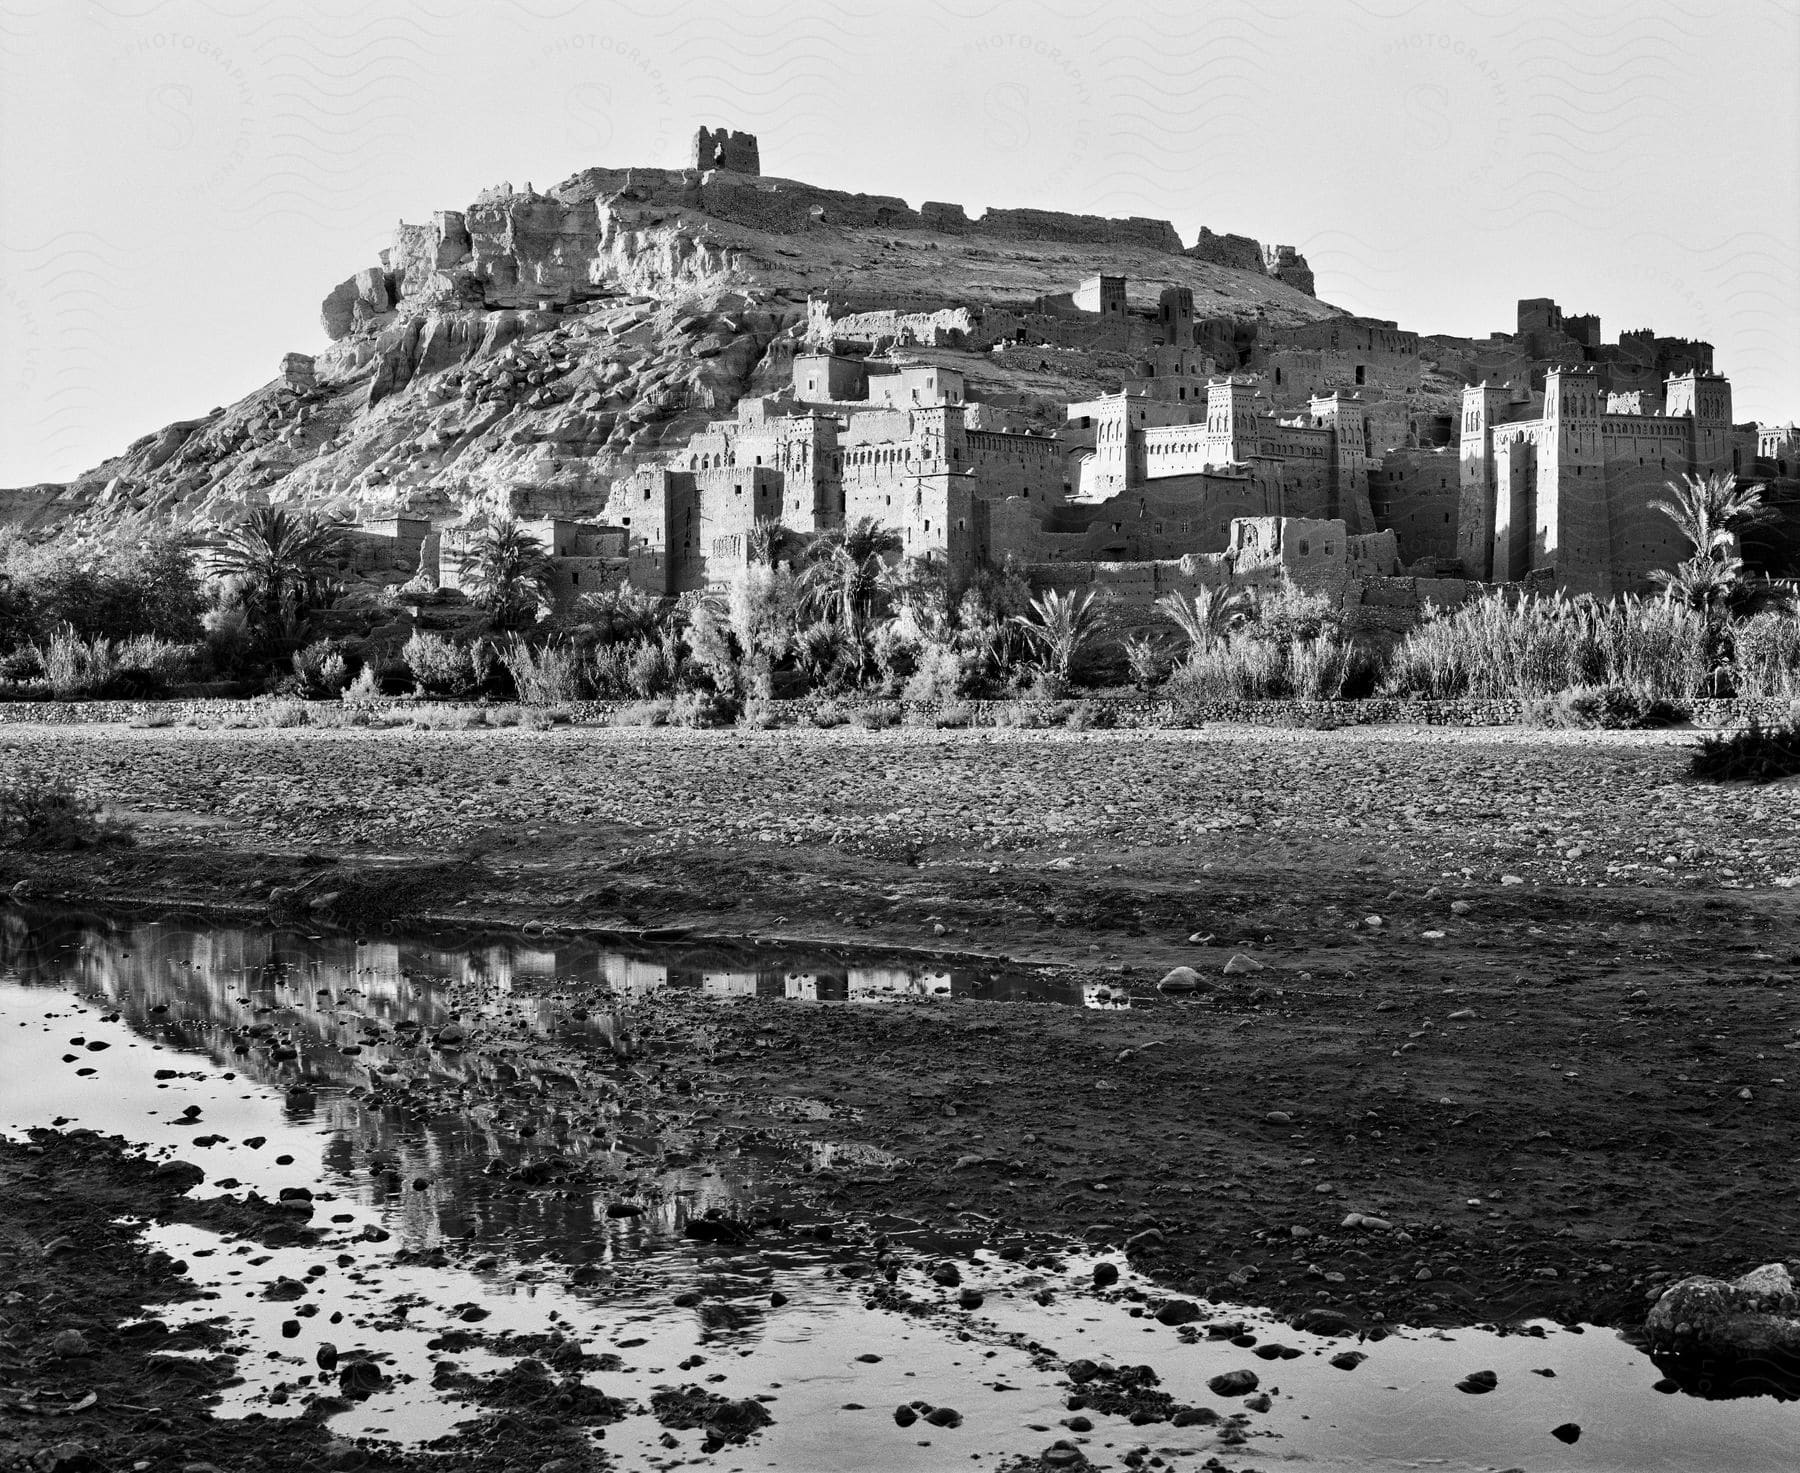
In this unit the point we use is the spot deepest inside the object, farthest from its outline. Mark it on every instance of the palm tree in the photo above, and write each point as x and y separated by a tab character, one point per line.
508	571
843	571
1710	511
767	541
283	564
1212	615
1060	627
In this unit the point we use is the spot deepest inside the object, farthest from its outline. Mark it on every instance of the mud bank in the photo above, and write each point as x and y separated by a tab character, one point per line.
1528	997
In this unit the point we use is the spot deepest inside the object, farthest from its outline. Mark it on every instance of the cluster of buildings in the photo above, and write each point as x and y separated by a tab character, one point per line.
1212	436
1556	480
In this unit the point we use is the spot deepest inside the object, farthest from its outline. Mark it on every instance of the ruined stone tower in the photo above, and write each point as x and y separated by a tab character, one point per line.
735	152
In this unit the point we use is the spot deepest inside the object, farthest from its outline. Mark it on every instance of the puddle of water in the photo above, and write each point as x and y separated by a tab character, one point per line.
382	968
180	1001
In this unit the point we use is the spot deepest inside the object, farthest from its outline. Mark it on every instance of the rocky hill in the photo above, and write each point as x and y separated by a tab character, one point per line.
522	352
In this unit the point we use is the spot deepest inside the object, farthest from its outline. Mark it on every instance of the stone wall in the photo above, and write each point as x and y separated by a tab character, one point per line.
1126	711
1238	251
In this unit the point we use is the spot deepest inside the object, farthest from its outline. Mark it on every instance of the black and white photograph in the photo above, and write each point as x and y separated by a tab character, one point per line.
1013	735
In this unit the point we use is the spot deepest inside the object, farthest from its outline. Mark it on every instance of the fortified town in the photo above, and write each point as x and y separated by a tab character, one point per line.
652	363
1303	443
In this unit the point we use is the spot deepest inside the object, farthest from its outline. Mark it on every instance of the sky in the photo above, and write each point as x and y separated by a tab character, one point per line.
181	183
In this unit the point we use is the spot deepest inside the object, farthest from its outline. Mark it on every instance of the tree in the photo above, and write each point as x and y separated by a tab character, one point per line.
284	566
768	542
842	572
1711	511
120	588
1212	615
508	571
1061	627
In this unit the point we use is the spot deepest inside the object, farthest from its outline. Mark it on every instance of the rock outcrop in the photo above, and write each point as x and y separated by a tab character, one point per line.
1753	1317
526	350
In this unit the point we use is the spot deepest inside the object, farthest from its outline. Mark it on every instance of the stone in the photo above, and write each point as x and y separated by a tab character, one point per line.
1460	907
1181	979
1757	1314
1240	964
1347	1360
1478	1383
67	1343
1569	1432
944	1417
1178	1312
1233	1383
1363	1220
904	1415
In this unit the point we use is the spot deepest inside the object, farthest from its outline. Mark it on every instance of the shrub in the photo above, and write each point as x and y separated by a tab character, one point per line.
1498	646
366	686
644	713
762	714
954	714
654	667
828	714
321	669
1768	655
623	615
764	609
1756	754
1025	715
1285	612
129	586
77	668
700	708
1061	628
876	716
281	713
940	673
448	718
1600	708
439	666
1090	716
551	675
1148	660
1228	670
44	813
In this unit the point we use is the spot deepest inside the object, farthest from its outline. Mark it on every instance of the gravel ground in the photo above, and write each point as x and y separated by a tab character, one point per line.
1528	998
1548	807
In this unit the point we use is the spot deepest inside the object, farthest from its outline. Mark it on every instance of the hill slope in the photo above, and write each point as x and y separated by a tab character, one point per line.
523	352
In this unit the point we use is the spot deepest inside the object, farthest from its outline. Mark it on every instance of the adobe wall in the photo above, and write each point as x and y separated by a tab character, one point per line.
1418	494
1177	517
719	149
1237	251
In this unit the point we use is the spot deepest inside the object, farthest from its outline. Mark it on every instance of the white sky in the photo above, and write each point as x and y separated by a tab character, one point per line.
180	183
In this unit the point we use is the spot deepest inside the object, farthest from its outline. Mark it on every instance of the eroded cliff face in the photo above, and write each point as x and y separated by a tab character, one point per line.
523	352
456	411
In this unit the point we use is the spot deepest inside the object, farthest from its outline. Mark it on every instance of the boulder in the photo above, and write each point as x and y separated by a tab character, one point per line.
1755	1315
1181	979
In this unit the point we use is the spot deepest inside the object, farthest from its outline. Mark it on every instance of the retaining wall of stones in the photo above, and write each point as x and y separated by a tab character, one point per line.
1130	712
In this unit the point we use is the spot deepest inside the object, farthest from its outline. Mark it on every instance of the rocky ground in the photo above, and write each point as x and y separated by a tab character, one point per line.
1489	1024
